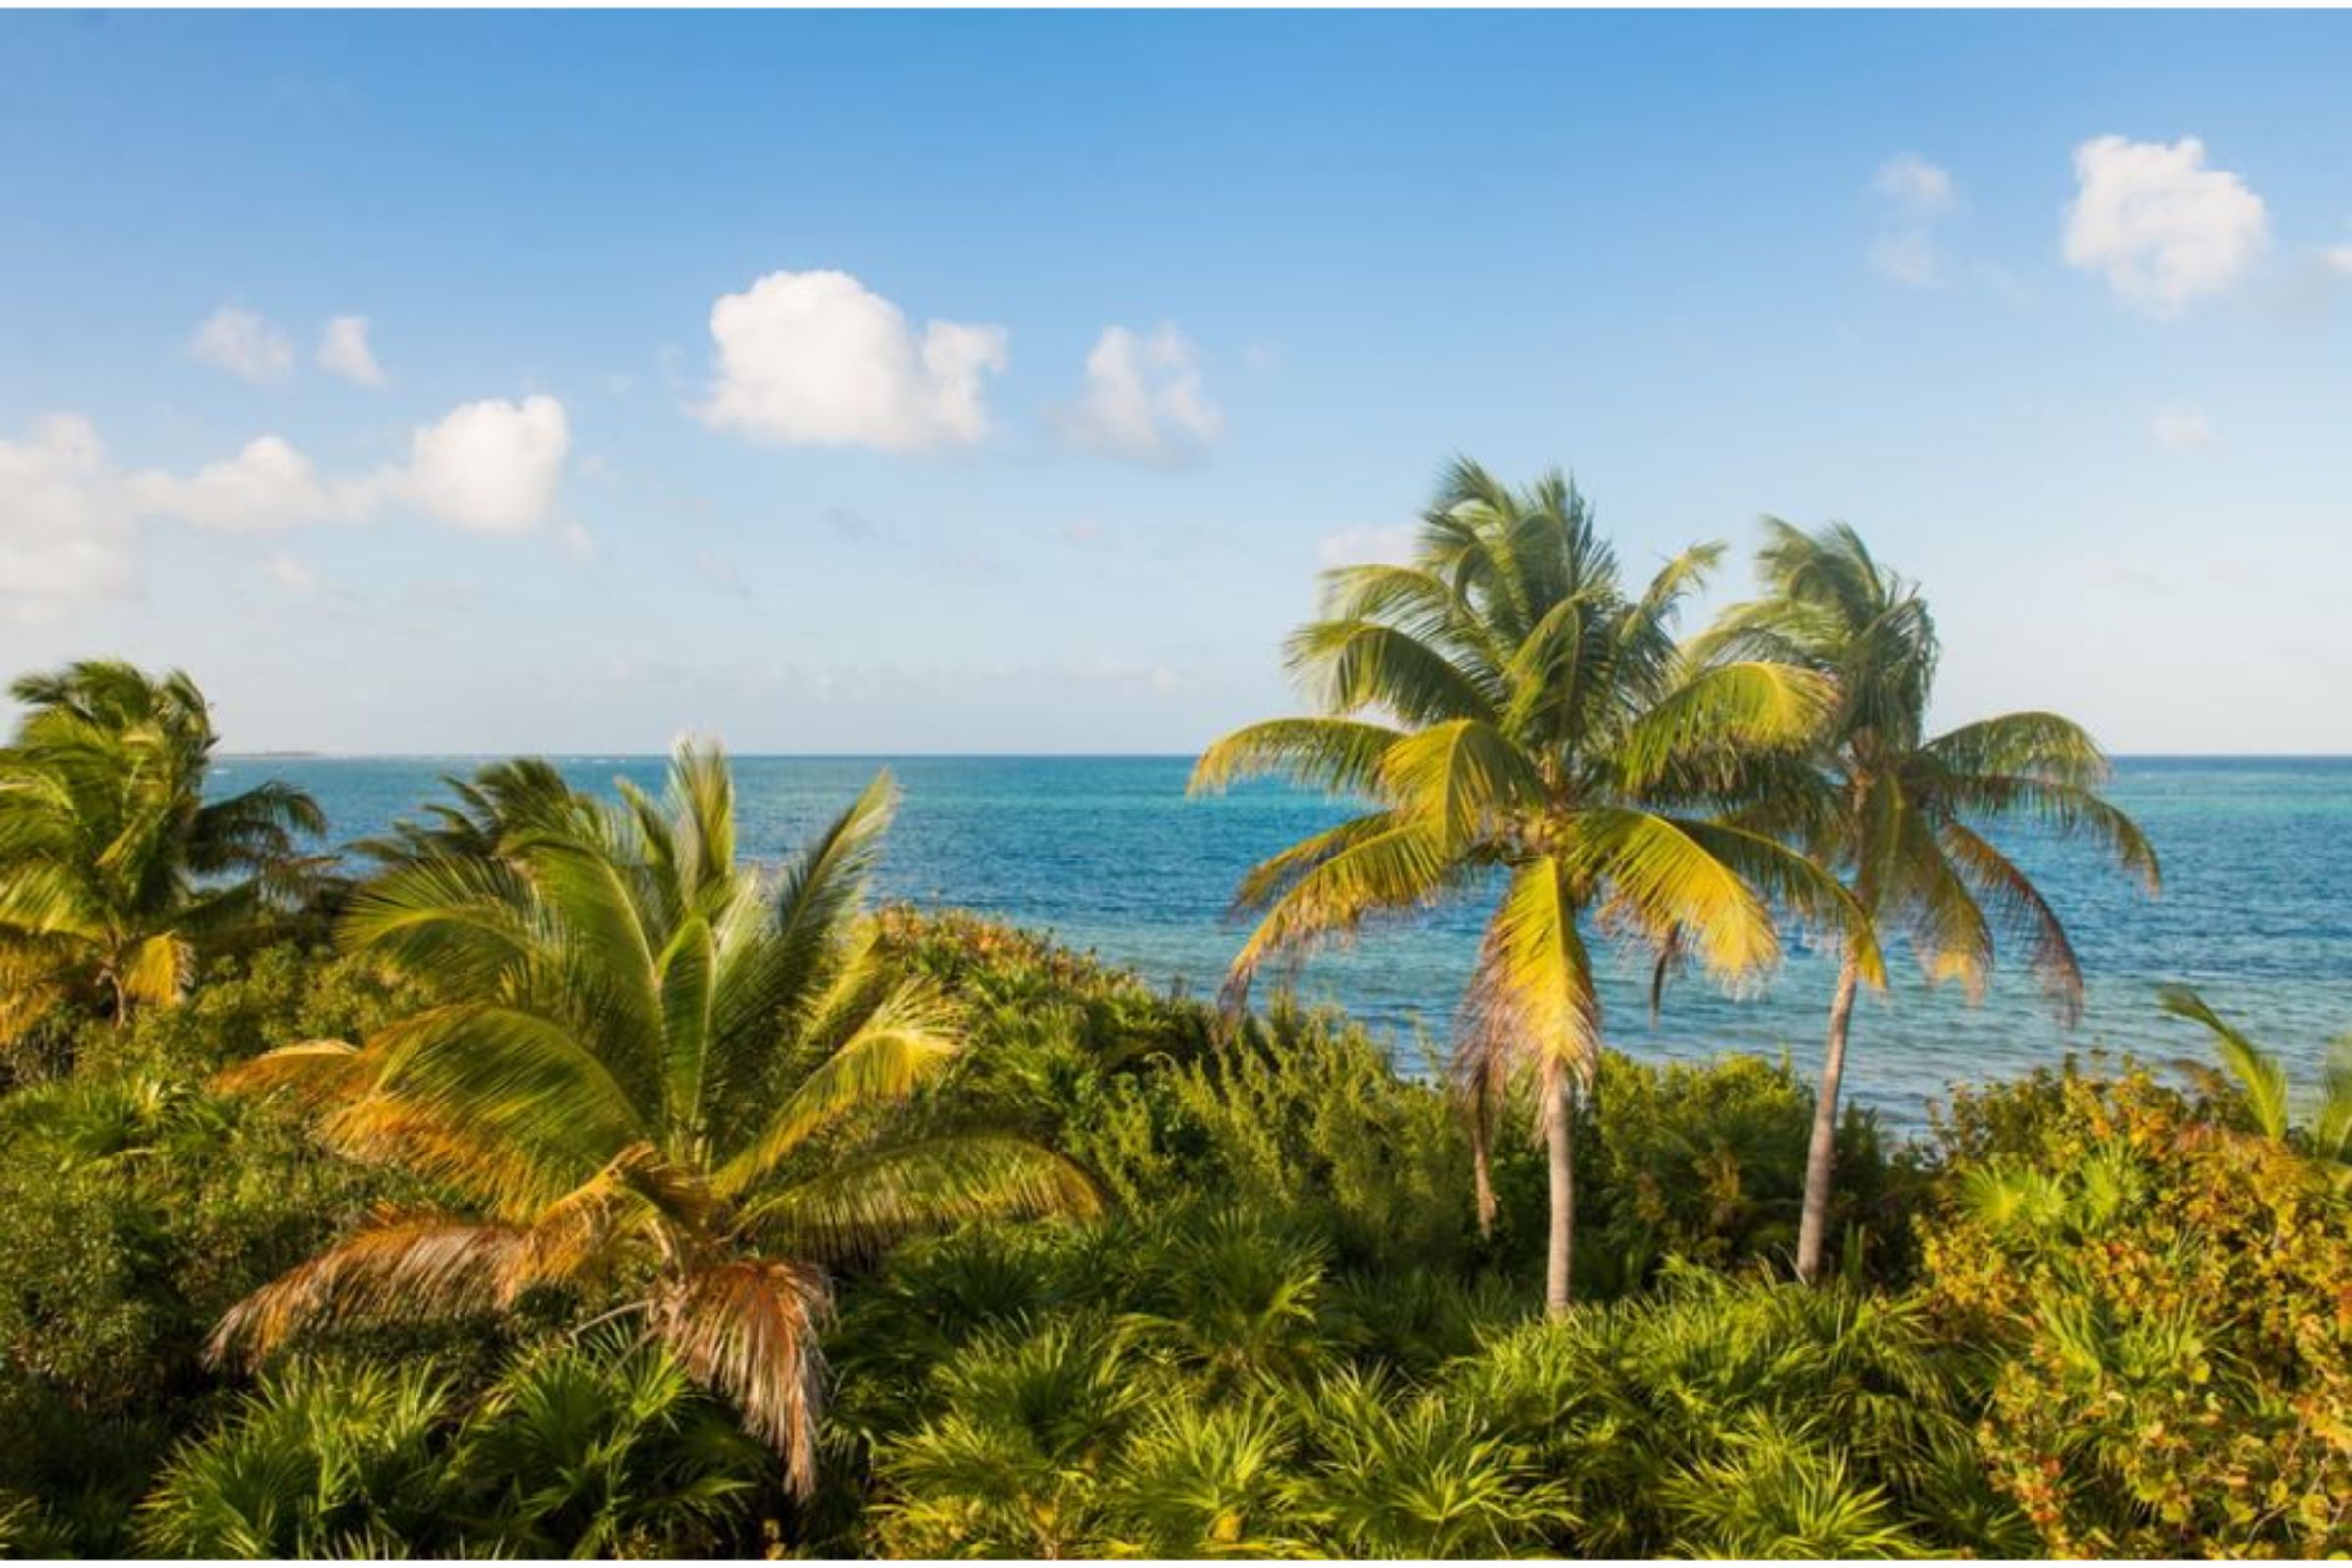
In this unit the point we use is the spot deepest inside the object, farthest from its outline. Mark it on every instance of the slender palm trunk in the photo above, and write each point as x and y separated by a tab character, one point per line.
1482	1178
1559	1141
1482	1169
1820	1156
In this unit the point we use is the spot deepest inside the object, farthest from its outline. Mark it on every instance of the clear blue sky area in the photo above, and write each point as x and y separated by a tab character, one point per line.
947	382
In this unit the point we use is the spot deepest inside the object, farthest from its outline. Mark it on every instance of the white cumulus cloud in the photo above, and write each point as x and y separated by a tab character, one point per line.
818	358
2183	429
2161	226
490	466
345	351
1144	398
243	344
267	487
493	467
66	530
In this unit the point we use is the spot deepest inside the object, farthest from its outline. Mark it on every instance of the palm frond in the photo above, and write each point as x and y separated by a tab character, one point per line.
749	1329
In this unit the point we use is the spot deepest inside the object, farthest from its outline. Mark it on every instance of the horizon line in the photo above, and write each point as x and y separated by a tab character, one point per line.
301	753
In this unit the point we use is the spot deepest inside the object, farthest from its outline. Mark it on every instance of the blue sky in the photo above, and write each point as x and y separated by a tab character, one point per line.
951	382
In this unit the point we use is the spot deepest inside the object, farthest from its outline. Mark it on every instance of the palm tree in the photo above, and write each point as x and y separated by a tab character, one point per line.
651	1076
1899	814
1512	712
501	801
114	868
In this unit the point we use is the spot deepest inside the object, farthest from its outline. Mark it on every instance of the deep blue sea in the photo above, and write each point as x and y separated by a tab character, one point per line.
1109	854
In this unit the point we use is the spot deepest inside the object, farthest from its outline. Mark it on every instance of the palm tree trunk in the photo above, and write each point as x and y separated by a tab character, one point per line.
1820	1156
1482	1173
1560	1141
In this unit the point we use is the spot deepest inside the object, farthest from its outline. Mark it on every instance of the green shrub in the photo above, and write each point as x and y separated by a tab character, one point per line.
580	1449
2161	1298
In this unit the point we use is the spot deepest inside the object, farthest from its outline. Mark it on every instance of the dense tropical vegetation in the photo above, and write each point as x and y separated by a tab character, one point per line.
540	1178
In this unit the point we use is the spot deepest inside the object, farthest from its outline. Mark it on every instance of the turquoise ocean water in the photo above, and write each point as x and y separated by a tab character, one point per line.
1109	854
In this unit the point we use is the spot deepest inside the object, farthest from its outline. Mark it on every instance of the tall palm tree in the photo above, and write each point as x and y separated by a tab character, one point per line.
1899	814
1515	717
114	868
653	1076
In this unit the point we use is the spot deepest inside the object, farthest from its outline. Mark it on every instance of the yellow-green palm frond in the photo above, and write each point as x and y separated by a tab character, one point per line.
1532	995
1337	756
1352	666
1750	704
907	1040
1262	882
2331	1128
2034	745
1385	863
399	1266
316	1073
1662	877
825	884
514	1091
1464	776
748	1328
158	968
857	1205
2260	1076
1794	882
465	925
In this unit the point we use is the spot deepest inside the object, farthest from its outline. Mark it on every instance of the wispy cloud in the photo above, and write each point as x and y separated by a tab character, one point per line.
2183	430
1913	196
245	345
1384	544
1144	398
344	350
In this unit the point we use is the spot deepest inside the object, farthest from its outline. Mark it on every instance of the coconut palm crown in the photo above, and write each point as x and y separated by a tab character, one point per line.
1902	814
113	867
671	1084
1518	720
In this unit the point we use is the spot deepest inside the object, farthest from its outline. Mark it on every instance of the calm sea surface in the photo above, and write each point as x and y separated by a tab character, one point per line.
1109	854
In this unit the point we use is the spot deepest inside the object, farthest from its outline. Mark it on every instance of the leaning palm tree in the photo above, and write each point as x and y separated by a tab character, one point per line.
1901	814
2259	1082
114	868
651	1076
1515	717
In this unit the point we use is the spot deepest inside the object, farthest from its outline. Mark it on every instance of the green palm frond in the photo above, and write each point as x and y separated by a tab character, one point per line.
857	1205
1533	990
640	1069
2260	1077
1340	757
